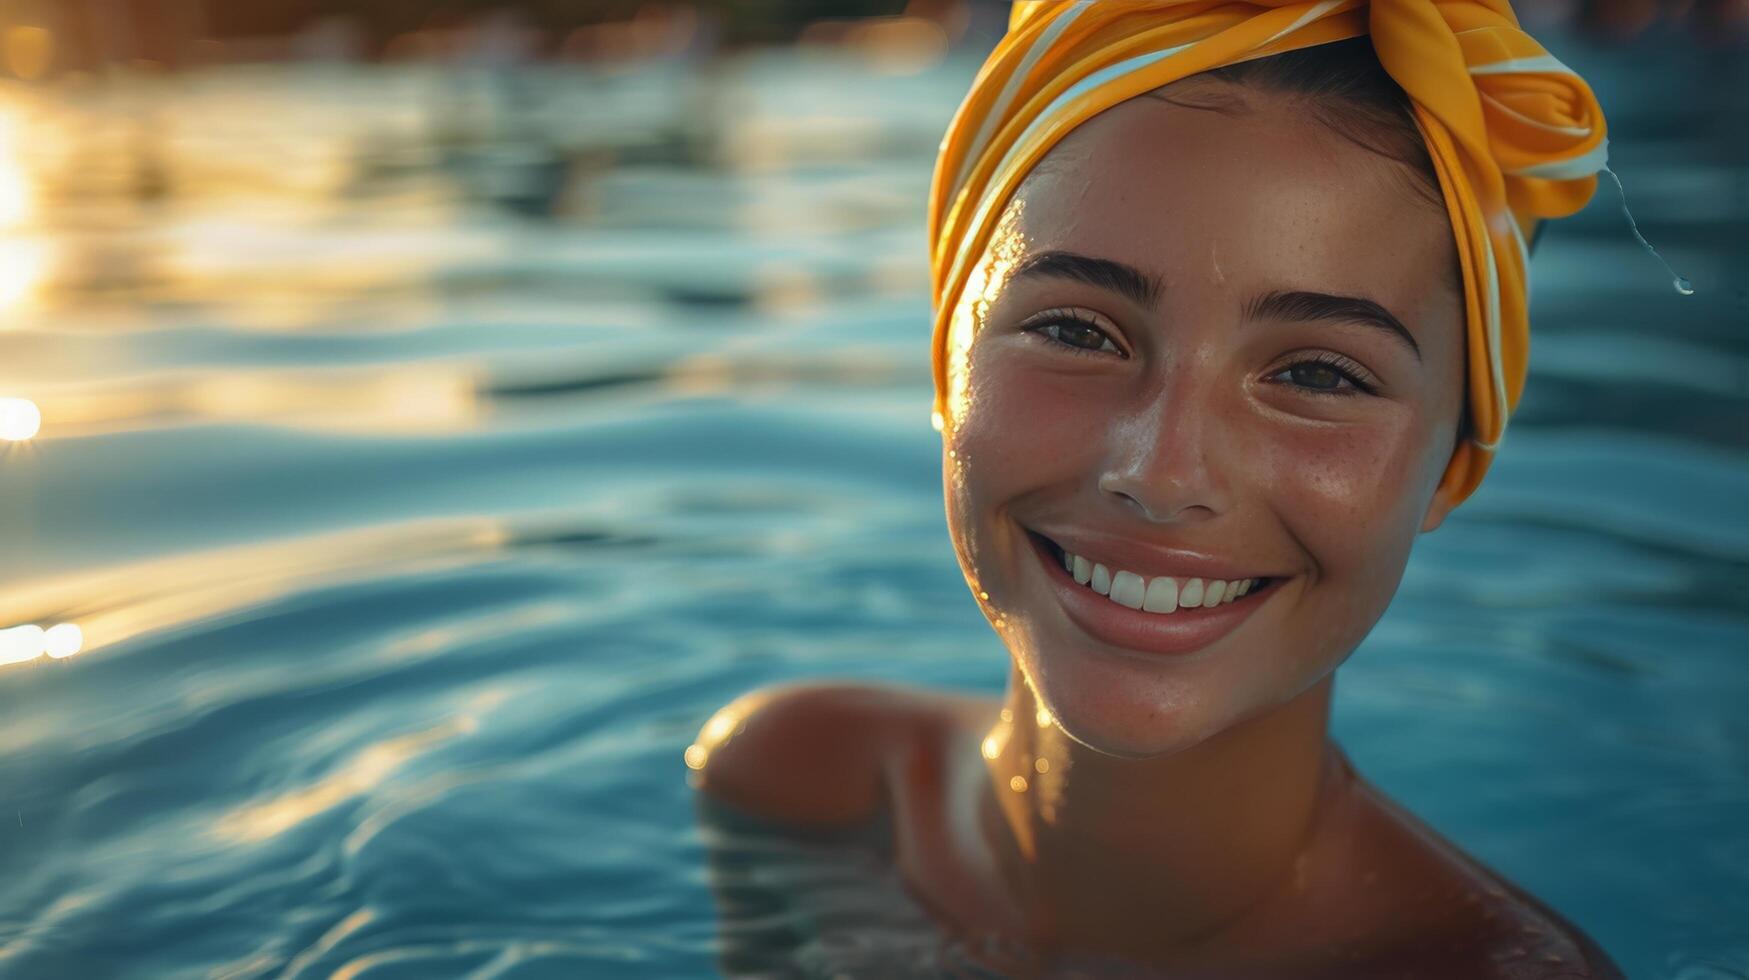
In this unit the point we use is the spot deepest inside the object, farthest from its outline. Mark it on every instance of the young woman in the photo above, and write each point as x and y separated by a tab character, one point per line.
1230	309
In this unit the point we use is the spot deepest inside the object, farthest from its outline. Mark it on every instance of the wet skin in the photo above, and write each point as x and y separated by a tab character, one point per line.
1372	891
1120	383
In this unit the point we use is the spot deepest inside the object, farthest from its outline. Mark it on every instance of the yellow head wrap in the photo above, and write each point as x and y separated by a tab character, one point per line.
1515	136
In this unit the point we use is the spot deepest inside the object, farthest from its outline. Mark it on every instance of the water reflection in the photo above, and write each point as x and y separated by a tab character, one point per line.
117	603
16	201
120	603
364	771
421	399
23	268
613	381
408	400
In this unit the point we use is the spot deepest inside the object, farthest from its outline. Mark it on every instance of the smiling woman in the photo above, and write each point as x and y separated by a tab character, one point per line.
1214	346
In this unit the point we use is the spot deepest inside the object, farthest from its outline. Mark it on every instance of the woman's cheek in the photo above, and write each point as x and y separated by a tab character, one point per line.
977	440
1351	497
1004	443
1017	414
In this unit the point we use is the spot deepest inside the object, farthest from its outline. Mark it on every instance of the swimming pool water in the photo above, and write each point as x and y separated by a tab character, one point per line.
422	469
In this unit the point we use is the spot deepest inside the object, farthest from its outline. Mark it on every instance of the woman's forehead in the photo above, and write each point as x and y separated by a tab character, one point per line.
1270	190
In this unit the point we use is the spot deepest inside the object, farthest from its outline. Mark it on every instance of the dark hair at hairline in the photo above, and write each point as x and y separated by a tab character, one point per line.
1346	88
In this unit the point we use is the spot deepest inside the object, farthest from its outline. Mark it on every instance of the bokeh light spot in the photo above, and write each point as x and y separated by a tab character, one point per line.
21	644
20	419
29	50
63	640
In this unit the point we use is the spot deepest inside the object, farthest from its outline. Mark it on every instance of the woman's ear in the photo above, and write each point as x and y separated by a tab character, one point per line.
1441	505
1443	499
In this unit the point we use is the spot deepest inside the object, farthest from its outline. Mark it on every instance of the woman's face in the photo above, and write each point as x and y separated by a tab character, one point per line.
1123	386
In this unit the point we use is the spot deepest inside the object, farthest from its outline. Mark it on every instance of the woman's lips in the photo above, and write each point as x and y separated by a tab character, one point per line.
1181	632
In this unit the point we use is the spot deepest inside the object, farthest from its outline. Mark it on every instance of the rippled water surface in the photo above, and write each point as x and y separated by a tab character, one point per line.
425	456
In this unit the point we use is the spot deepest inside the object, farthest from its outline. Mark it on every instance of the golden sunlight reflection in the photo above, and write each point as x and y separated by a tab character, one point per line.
313	953
416	399
22	644
118	603
361	773
16	200
413	795
272	281
983	286
410	399
20	419
63	640
477	629
22	267
996	740
718	730
711	374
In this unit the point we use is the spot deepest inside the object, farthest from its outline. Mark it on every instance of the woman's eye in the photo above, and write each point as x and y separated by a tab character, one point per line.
1078	335
1327	375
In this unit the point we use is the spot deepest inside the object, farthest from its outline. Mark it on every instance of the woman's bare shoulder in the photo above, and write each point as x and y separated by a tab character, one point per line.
1462	918
817	752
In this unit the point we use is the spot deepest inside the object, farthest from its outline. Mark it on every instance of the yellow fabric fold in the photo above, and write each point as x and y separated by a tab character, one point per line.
1515	136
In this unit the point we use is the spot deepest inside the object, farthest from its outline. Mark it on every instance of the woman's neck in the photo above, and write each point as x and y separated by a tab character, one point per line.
1149	856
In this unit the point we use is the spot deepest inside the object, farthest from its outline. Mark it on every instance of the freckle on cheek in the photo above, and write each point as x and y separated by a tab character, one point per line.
1346	476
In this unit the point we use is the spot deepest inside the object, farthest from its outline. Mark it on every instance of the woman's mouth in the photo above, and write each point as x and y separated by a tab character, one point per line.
1161	614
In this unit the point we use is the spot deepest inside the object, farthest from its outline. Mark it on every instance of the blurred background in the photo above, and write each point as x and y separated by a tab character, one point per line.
416	417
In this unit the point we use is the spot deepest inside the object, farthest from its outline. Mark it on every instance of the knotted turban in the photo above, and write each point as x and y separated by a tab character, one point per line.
1515	137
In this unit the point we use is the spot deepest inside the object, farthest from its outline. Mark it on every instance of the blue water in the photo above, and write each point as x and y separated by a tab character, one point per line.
426	456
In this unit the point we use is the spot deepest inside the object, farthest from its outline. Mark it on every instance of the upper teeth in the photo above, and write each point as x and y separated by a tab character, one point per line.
1161	594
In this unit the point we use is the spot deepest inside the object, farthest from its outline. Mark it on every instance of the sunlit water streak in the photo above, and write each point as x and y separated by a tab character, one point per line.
409	538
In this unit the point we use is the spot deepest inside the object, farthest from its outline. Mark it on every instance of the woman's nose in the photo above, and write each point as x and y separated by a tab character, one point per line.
1161	462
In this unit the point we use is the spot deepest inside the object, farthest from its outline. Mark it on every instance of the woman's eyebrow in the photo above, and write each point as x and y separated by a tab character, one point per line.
1302	305
1126	280
1145	290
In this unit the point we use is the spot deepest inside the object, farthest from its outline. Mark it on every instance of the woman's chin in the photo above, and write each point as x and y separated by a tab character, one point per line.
1133	717
1122	743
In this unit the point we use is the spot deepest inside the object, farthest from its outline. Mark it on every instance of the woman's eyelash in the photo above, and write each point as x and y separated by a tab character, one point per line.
1349	371
1059	318
1359	380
